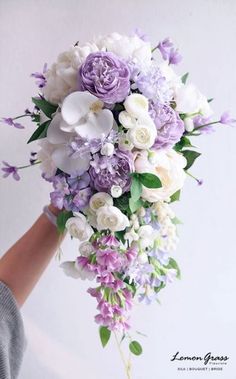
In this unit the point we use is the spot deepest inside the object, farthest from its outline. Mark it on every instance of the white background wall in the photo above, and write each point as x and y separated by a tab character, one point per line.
197	314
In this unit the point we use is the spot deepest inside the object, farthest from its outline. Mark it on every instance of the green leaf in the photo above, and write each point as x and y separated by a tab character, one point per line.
120	235
176	221
136	188
173	264
184	142
135	348
185	77
210	100
40	132
134	205
61	220
47	108
191	156
150	180
175	196
122	203
105	335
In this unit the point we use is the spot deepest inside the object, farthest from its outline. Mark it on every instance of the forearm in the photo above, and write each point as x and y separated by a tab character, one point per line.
23	264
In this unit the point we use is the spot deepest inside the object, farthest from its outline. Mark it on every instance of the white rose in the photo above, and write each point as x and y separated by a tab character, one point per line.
110	217
99	200
136	105
143	135
78	227
190	100
168	166
86	248
107	149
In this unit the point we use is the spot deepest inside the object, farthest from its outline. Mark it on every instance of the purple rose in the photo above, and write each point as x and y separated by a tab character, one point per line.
169	126
106	76
108	171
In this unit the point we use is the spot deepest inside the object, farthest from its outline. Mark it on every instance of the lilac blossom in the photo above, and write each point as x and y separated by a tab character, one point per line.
150	219
106	76
10	170
11	122
170	127
161	255
40	77
108	171
168	52
226	119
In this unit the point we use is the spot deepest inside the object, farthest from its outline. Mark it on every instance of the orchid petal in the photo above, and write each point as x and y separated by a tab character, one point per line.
76	106
54	133
70	164
95	125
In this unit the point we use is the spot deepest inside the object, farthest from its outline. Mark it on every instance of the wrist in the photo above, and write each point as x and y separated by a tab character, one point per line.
55	211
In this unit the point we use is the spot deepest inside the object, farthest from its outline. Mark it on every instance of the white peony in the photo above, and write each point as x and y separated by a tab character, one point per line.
47	164
62	77
190	100
168	166
100	199
110	217
78	227
143	135
132	49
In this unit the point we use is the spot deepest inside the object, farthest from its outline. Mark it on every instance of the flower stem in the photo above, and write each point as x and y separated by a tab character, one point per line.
200	127
29	165
127	365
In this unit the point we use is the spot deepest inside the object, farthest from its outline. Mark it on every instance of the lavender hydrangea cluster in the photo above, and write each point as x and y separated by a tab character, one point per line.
114	125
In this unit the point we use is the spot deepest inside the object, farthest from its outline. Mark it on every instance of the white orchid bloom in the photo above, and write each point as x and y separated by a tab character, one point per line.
83	113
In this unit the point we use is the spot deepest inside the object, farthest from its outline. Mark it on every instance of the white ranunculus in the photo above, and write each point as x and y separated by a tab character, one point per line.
126	120
168	166
86	248
132	49
136	105
100	199
124	143
190	100
78	227
116	191
107	149
62	77
143	135
47	164
110	217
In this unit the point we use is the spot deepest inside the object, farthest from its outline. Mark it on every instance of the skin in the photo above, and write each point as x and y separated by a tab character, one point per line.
23	264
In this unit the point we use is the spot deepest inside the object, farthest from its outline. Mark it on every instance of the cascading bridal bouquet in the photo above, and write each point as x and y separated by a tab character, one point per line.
113	125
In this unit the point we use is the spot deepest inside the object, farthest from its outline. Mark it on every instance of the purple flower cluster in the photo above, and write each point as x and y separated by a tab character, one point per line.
11	122
108	171
107	262
106	76
71	193
168	52
10	170
170	127
40	77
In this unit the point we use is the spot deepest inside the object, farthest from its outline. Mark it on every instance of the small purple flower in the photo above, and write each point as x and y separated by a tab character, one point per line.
10	170
10	121
106	76
168	52
138	32
109	259
41	79
170	127
226	119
